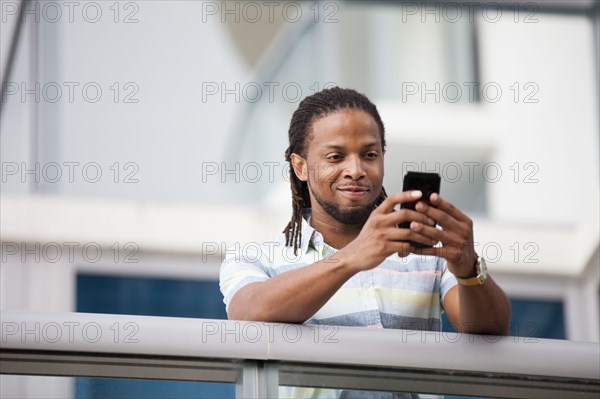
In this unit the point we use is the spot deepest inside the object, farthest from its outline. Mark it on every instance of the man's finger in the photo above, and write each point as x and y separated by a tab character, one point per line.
408	215
443	218
447	207
403	235
446	237
390	202
426	251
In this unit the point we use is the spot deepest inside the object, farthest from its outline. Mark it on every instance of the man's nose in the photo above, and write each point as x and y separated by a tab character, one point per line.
354	167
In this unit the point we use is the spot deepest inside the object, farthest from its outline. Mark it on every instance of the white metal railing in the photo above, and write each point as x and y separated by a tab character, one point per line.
259	357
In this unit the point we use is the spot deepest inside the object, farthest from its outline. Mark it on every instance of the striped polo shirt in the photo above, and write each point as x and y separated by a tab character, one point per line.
400	293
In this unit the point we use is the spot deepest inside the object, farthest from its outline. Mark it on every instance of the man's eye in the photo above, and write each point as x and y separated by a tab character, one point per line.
372	155
334	157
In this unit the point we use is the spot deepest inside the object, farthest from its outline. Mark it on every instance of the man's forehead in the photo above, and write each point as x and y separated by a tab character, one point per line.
345	117
337	128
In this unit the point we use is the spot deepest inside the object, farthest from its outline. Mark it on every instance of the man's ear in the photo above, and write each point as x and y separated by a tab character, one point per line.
299	165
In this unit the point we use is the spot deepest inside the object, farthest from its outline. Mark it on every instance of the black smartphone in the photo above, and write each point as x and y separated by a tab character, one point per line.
427	183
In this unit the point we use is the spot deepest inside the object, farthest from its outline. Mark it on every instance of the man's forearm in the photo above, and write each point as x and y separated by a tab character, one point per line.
294	296
484	309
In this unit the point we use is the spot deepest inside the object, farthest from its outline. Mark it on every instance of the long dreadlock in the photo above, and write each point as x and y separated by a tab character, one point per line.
311	109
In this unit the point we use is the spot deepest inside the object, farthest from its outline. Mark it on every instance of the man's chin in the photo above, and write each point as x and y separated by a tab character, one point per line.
354	215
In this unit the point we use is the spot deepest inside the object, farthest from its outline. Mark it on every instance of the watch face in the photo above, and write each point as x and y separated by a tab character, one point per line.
481	270
481	276
481	265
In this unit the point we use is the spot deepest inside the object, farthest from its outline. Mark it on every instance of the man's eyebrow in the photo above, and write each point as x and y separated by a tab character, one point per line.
372	144
333	146
341	147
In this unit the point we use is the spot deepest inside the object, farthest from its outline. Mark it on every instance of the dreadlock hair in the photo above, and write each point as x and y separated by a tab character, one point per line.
311	109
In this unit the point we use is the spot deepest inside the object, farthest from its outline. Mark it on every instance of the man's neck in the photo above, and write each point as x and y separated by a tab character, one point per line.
335	233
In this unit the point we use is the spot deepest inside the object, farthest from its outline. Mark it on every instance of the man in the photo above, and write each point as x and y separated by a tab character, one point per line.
342	260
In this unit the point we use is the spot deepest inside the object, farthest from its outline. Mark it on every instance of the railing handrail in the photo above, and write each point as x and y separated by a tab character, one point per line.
225	339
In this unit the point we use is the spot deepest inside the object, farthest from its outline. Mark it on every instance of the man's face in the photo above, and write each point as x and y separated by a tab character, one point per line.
343	165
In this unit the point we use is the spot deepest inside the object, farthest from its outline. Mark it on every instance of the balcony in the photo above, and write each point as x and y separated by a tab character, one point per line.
260	357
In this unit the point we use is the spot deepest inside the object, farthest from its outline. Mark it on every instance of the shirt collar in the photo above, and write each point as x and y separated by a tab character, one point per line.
311	238
308	231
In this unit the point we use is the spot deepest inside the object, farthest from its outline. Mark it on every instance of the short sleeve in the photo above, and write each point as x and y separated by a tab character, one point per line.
448	280
240	268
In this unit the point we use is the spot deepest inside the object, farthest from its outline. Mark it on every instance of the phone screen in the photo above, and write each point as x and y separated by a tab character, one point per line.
427	183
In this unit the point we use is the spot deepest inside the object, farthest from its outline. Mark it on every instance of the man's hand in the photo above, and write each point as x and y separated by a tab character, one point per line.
480	309
456	235
380	236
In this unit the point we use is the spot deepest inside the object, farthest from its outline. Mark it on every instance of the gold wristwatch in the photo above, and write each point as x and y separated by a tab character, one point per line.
479	276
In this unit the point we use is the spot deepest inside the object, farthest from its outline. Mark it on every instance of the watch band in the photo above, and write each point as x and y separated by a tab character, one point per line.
479	278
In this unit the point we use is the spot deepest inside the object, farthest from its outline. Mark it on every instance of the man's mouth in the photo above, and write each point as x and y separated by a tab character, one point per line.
354	191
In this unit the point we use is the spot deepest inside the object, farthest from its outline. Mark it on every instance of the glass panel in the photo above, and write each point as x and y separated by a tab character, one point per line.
327	393
107	388
38	387
286	392
35	387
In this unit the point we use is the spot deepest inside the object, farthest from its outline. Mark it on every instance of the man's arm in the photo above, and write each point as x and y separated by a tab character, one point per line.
482	309
291	297
296	295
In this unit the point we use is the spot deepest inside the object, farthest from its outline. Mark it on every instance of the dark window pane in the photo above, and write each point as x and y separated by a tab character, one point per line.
149	297
532	318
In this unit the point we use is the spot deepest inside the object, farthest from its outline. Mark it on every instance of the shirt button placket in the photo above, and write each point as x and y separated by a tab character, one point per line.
374	314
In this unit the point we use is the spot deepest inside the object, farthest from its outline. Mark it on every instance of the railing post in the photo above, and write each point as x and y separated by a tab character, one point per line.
258	380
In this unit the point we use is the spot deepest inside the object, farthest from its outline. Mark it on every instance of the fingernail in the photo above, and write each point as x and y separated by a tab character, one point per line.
414	225
431	222
416	194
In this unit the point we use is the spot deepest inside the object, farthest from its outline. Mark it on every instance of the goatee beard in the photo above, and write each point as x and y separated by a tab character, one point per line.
351	216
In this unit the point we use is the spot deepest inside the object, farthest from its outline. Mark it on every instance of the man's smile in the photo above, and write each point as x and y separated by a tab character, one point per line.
354	191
